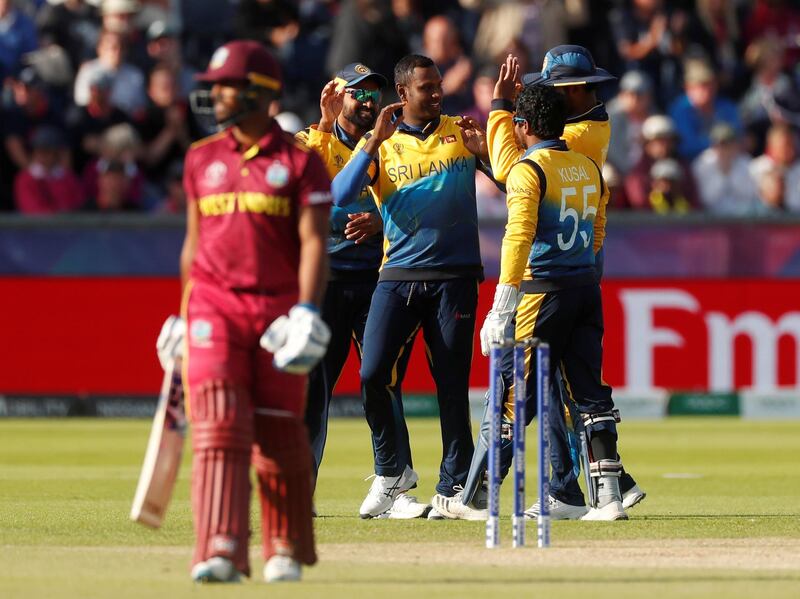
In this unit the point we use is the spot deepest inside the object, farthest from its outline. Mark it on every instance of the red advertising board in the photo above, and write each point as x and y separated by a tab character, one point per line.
97	335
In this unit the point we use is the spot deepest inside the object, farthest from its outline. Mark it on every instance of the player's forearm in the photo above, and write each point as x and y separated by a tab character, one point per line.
313	271
347	185
503	149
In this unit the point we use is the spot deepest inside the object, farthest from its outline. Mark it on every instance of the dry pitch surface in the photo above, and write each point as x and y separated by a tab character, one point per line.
722	519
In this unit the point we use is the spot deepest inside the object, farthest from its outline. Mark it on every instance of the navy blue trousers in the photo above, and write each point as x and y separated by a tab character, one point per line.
445	312
344	310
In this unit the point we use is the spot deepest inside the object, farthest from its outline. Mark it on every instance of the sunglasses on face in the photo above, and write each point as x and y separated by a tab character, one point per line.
518	120
364	95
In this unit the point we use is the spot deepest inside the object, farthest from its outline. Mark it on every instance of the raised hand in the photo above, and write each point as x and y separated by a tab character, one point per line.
474	137
385	126
508	81
330	105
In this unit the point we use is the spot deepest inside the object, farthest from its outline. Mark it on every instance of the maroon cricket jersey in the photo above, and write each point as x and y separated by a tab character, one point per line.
248	201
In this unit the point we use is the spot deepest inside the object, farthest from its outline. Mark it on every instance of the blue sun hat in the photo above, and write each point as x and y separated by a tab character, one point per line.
568	65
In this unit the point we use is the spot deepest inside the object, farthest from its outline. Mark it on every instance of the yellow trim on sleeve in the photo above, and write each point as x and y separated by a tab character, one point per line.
187	290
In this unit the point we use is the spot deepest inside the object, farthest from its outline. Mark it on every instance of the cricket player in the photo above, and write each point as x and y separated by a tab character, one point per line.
255	250
420	167
571	70
349	105
548	284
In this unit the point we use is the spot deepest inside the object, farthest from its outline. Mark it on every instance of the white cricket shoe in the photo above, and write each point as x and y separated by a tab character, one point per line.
632	496
453	509
405	507
281	568
384	491
215	569
558	510
610	511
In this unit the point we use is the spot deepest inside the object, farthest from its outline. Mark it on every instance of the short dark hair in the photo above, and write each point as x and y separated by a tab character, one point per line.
404	69
545	110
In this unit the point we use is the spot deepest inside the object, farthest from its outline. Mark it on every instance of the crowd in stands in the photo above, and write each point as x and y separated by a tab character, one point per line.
96	93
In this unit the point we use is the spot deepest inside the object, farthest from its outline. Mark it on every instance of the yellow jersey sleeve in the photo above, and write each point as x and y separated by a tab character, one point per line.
523	195
504	152
600	217
316	140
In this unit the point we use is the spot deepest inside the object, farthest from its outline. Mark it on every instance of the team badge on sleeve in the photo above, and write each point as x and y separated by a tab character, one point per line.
200	333
277	174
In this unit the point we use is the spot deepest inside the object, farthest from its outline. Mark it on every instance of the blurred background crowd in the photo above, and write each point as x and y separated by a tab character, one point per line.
705	113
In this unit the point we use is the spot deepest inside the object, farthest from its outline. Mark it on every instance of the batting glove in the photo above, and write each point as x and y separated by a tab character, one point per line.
493	331
169	344
298	341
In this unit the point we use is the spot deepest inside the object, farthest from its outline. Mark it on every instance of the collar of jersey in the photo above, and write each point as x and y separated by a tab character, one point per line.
250	153
343	136
548	144
420	132
596	113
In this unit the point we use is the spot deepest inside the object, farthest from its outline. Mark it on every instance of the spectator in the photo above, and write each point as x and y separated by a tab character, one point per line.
482	93
114	181
72	24
48	185
667	194
700	108
771	190
164	47
175	200
442	45
17	37
616	189
713	30
366	30
778	19
758	107
31	108
127	91
660	142
164	129
643	41
780	155
723	178
628	111
86	124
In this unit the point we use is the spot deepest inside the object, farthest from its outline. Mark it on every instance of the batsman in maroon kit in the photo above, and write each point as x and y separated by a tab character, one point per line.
255	251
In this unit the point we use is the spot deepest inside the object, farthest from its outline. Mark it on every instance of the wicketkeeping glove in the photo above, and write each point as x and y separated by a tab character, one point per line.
298	341
169	345
493	331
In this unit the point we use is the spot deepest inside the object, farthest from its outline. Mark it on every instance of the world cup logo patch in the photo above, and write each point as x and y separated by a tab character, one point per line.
215	174
398	147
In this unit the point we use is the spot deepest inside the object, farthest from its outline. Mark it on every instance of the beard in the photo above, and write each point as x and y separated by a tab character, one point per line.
363	118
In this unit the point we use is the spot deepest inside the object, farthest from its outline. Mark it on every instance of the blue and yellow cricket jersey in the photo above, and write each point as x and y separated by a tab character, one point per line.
588	134
335	149
556	219
423	181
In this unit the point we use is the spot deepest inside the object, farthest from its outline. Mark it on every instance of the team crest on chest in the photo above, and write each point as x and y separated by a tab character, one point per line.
448	139
277	174
338	160
215	174
398	147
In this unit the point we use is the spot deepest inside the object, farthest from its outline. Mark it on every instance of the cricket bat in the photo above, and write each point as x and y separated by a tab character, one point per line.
164	450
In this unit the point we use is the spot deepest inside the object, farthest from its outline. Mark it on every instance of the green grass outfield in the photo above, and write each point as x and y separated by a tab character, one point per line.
722	518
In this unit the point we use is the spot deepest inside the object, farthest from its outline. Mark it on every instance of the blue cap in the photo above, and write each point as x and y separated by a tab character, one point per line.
568	65
356	72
